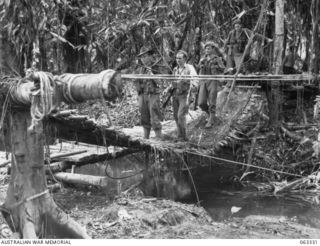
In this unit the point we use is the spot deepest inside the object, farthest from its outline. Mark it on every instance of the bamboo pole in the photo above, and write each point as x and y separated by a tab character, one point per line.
274	99
255	77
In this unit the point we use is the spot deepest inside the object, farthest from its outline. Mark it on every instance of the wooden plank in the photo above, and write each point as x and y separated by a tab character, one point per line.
88	159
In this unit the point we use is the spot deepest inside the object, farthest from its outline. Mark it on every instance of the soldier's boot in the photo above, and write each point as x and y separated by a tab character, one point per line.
211	119
158	134
146	133
182	136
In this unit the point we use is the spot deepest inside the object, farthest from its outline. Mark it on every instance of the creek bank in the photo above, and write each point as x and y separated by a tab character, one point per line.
130	215
135	216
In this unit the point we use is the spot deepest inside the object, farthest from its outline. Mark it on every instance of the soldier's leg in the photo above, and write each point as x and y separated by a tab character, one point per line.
212	87
155	113
237	60
213	91
144	114
175	106
202	98
182	113
230	61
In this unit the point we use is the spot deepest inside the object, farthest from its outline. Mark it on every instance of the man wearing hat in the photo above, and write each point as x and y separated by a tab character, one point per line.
181	93
209	65
149	94
236	43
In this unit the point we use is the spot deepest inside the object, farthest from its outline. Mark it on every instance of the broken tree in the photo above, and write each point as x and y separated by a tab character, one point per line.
29	208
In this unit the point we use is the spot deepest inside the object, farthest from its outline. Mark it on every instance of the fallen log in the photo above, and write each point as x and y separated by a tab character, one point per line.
89	132
74	178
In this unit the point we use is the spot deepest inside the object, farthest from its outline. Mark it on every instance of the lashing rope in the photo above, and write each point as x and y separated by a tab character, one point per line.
67	92
42	99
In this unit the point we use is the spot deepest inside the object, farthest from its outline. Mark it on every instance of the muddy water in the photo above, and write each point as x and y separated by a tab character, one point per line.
217	199
297	207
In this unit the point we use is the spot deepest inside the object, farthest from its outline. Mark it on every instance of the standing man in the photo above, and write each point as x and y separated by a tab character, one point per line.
181	92
149	94
236	43
209	65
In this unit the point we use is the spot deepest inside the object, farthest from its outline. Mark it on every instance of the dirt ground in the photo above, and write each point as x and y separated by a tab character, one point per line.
134	216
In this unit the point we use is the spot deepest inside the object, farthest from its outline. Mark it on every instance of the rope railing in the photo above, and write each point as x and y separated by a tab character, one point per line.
243	164
286	78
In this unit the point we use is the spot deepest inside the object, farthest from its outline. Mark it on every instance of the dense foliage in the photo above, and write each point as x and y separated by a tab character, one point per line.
88	36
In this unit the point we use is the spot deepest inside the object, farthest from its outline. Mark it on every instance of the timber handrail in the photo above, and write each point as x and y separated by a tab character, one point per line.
266	77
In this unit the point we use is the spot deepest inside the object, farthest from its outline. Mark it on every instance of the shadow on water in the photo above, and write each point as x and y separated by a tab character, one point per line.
295	207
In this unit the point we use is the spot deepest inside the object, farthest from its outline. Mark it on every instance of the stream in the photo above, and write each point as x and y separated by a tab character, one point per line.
218	199
298	207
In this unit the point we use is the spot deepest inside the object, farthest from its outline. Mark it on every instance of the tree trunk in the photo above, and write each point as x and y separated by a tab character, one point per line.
274	98
29	209
315	47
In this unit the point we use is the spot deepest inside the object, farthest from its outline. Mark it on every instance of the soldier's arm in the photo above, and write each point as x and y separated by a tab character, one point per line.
201	66
221	64
137	82
227	43
194	82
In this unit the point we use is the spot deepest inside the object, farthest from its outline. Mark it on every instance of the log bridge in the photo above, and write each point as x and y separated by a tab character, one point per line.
70	126
28	201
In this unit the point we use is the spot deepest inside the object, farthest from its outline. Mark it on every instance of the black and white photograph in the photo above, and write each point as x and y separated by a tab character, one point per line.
159	119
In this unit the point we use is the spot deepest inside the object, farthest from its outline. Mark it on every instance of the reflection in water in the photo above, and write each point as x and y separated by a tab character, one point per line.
219	204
